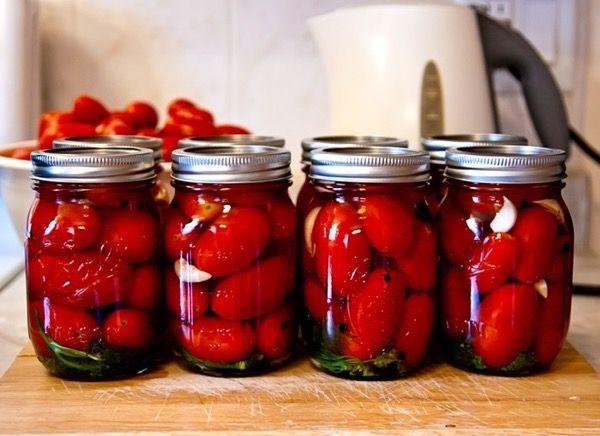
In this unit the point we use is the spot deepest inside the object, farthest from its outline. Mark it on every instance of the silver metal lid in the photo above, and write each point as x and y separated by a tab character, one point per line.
154	144
231	164
271	141
505	164
437	145
310	144
93	165
368	164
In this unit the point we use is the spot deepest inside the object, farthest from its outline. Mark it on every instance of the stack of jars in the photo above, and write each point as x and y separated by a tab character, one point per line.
373	253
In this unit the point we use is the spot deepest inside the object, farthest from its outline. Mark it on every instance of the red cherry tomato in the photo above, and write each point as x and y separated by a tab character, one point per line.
186	301
204	128
180	234
51	120
536	231
148	131
114	125
552	323
231	129
82	279
170	143
89	110
353	346
275	333
480	204
375	311
72	328
145	292
128	328
283	220
251	196
507	322
218	340
64	130
456	238
455	303
254	291
193	116
64	227
416	328
232	241
419	266
558	268
389	224
199	206
178	104
315	298
107	196
143	113
130	234
342	254
492	263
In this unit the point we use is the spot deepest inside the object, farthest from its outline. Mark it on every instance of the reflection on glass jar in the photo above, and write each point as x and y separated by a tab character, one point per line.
230	243
507	258
93	278
369	262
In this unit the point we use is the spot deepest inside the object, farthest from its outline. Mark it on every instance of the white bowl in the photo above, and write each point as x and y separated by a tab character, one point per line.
15	185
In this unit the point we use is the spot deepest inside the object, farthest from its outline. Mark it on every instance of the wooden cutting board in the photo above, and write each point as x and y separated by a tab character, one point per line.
298	398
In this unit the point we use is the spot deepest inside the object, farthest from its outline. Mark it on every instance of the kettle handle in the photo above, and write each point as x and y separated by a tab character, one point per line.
506	48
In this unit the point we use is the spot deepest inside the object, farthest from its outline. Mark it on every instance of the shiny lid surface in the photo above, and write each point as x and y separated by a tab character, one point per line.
153	144
93	165
369	164
231	164
310	144
437	145
272	141
505	164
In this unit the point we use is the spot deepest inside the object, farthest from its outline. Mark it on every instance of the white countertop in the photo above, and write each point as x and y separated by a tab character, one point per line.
584	333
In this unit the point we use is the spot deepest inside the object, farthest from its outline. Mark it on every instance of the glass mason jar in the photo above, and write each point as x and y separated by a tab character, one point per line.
507	258
162	191
93	276
310	144
369	261
230	243
437	145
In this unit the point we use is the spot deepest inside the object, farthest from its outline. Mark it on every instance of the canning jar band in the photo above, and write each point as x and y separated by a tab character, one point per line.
231	164
437	145
154	144
517	164
369	164
318	142
93	165
271	141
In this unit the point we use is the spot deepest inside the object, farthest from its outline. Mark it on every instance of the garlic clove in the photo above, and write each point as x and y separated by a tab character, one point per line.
541	287
553	207
189	273
505	218
309	223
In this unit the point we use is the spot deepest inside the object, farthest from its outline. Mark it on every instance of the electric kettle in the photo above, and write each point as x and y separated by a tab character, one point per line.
418	70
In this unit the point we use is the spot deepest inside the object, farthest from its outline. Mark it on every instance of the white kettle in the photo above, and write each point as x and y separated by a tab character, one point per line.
416	70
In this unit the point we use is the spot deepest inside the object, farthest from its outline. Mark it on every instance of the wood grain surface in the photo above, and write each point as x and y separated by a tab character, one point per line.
297	398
